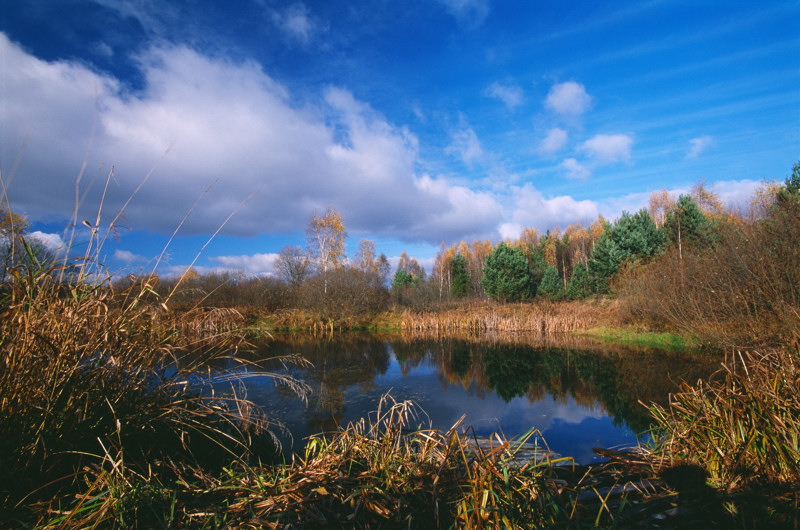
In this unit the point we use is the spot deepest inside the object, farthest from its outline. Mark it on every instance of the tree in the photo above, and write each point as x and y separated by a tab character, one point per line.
325	236
376	269
412	267
686	224
637	235
631	238
790	191
659	204
460	275
579	285
707	200
605	261
506	275
403	279
365	259
550	286
293	265
537	264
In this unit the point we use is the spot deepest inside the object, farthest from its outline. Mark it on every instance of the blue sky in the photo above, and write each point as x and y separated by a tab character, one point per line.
420	121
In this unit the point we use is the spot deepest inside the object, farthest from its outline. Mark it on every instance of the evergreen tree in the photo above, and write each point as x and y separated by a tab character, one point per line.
606	258
506	274
687	225
631	238
460	271
791	186
537	265
637	235
403	278
579	286
551	285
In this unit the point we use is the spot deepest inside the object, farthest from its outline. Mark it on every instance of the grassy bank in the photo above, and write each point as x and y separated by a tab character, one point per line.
103	423
635	336
541	319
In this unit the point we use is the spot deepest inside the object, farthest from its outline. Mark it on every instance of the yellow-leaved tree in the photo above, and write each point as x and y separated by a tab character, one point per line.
325	236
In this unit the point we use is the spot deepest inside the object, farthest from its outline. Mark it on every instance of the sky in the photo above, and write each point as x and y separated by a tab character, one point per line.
210	132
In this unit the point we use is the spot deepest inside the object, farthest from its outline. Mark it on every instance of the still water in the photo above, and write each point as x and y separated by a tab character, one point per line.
579	396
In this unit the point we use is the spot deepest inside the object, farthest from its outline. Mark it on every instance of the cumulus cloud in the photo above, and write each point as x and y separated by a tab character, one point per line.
531	208
570	99
221	122
511	95
555	141
51	242
126	256
469	213
231	123
608	148
255	264
466	145
698	145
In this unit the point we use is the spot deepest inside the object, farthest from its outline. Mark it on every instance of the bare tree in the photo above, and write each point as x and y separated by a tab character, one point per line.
293	265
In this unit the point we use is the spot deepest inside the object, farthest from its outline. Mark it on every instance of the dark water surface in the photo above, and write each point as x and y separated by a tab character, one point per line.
579	396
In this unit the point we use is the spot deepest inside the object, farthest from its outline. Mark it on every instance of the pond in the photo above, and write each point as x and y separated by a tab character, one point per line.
579	394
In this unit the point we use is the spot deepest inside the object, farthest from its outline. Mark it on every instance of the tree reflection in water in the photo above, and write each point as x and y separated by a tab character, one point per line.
480	378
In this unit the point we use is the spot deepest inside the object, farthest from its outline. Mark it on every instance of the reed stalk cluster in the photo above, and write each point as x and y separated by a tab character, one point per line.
102	396
743	427
540	319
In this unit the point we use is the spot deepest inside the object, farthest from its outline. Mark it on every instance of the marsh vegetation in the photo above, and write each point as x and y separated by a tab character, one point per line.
107	417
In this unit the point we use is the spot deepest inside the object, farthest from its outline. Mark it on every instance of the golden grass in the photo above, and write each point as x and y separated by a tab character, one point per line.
743	427
540	319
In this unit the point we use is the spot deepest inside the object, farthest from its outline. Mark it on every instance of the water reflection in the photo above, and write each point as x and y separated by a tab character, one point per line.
578	397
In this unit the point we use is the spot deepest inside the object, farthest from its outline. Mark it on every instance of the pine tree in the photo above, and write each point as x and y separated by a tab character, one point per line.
551	286
506	275
460	282
579	286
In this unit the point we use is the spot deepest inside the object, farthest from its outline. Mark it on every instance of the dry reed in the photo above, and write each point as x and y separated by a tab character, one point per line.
540	319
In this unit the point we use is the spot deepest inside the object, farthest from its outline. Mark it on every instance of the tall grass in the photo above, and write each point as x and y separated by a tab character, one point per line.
743	428
100	392
393	471
541	319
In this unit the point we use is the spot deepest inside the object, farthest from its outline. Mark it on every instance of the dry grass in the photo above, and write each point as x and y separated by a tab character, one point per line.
101	392
393	472
542	319
743	428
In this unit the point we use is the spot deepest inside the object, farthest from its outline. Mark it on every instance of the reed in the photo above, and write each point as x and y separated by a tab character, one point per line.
541	319
743	427
391	471
102	392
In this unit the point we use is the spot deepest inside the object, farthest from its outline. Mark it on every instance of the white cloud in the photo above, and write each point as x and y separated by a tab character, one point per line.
126	256
231	122
255	264
469	12
576	170
221	121
533	209
608	148
568	98
698	145
295	22
511	95
51	242
468	212
466	145
555	140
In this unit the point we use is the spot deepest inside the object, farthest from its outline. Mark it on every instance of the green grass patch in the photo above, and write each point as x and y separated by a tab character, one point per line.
644	339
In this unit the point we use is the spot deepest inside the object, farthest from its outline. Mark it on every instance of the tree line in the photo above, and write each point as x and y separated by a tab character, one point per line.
689	246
